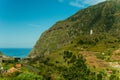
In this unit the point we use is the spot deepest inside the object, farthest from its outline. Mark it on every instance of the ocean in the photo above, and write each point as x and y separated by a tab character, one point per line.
16	52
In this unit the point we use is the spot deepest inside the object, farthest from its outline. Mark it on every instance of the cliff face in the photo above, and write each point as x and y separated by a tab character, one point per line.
96	26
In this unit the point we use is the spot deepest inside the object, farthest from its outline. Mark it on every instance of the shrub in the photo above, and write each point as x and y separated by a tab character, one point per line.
28	76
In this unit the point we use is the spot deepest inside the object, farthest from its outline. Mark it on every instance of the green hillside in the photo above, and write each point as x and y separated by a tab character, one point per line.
80	47
102	18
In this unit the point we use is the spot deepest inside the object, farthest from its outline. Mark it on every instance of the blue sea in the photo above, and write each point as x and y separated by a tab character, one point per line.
16	52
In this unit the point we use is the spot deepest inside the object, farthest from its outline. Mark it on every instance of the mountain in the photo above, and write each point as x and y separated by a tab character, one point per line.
82	46
101	19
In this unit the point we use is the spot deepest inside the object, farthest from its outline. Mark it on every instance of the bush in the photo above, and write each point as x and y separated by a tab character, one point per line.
27	76
67	54
78	71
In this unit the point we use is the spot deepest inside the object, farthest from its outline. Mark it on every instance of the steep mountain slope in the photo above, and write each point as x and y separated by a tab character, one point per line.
82	46
90	28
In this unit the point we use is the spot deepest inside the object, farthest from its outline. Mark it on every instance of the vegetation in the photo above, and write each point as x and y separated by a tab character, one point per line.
22	76
68	50
102	18
1	53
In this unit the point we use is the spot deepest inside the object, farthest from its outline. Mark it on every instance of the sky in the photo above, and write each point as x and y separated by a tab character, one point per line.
23	21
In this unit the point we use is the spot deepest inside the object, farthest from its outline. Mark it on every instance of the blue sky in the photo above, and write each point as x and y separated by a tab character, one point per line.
23	21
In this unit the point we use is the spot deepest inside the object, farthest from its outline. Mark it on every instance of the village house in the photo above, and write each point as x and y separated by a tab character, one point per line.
18	66
12	70
109	71
9	71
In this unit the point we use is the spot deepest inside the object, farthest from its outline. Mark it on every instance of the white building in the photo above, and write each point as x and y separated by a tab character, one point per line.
91	32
